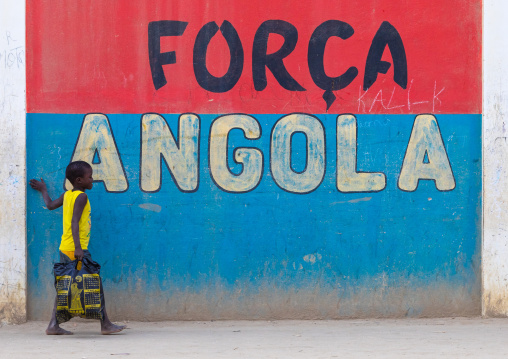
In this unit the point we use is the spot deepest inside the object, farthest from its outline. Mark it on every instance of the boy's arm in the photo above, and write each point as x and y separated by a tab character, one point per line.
79	205
41	187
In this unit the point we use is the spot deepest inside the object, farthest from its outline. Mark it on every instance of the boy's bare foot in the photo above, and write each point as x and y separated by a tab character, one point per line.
110	328
56	330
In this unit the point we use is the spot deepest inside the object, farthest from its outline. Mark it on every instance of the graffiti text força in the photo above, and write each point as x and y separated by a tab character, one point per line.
386	36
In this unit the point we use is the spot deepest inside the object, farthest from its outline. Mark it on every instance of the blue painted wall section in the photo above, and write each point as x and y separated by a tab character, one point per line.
207	253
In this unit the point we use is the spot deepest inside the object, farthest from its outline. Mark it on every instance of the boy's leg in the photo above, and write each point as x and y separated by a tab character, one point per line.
106	326
54	328
109	328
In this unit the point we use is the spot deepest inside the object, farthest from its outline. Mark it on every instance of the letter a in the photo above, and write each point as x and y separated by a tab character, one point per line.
96	137
426	157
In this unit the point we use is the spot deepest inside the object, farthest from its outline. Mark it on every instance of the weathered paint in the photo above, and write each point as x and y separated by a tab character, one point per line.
282	155
12	163
426	157
158	145
253	196
251	159
495	188
96	141
348	180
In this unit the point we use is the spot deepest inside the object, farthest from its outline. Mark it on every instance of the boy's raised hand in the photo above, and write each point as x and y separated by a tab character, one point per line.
41	187
38	185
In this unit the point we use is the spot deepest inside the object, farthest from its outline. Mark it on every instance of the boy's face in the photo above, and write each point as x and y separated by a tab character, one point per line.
87	180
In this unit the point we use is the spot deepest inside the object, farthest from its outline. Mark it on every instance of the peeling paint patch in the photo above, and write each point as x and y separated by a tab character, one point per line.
151	207
356	200
311	258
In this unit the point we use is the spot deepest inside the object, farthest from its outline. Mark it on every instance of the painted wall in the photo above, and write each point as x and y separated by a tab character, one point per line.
12	163
326	165
495	239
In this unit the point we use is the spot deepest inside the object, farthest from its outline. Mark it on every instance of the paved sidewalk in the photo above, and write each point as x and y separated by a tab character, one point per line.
408	338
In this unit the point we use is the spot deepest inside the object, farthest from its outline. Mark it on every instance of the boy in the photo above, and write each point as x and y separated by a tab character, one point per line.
76	229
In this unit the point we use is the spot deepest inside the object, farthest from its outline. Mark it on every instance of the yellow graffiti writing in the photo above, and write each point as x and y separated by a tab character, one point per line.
158	144
348	180
96	139
426	157
250	158
280	164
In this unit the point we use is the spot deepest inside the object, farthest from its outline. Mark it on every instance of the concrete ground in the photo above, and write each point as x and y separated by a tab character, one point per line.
408	338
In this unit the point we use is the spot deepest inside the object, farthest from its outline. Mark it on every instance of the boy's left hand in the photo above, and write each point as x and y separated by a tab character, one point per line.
79	254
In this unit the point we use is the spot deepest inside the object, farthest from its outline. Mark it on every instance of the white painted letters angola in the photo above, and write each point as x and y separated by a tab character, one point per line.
425	157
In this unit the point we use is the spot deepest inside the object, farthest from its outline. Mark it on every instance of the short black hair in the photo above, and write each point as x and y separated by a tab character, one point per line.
76	169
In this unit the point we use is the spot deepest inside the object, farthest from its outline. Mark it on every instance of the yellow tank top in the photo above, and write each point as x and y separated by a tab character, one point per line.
85	223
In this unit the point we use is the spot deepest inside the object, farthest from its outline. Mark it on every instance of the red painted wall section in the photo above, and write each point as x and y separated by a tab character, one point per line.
97	60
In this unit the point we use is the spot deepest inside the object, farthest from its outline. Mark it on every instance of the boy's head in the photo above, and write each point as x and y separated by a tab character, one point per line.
76	169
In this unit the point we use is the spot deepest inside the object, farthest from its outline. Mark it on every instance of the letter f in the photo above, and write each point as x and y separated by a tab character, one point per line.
157	29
